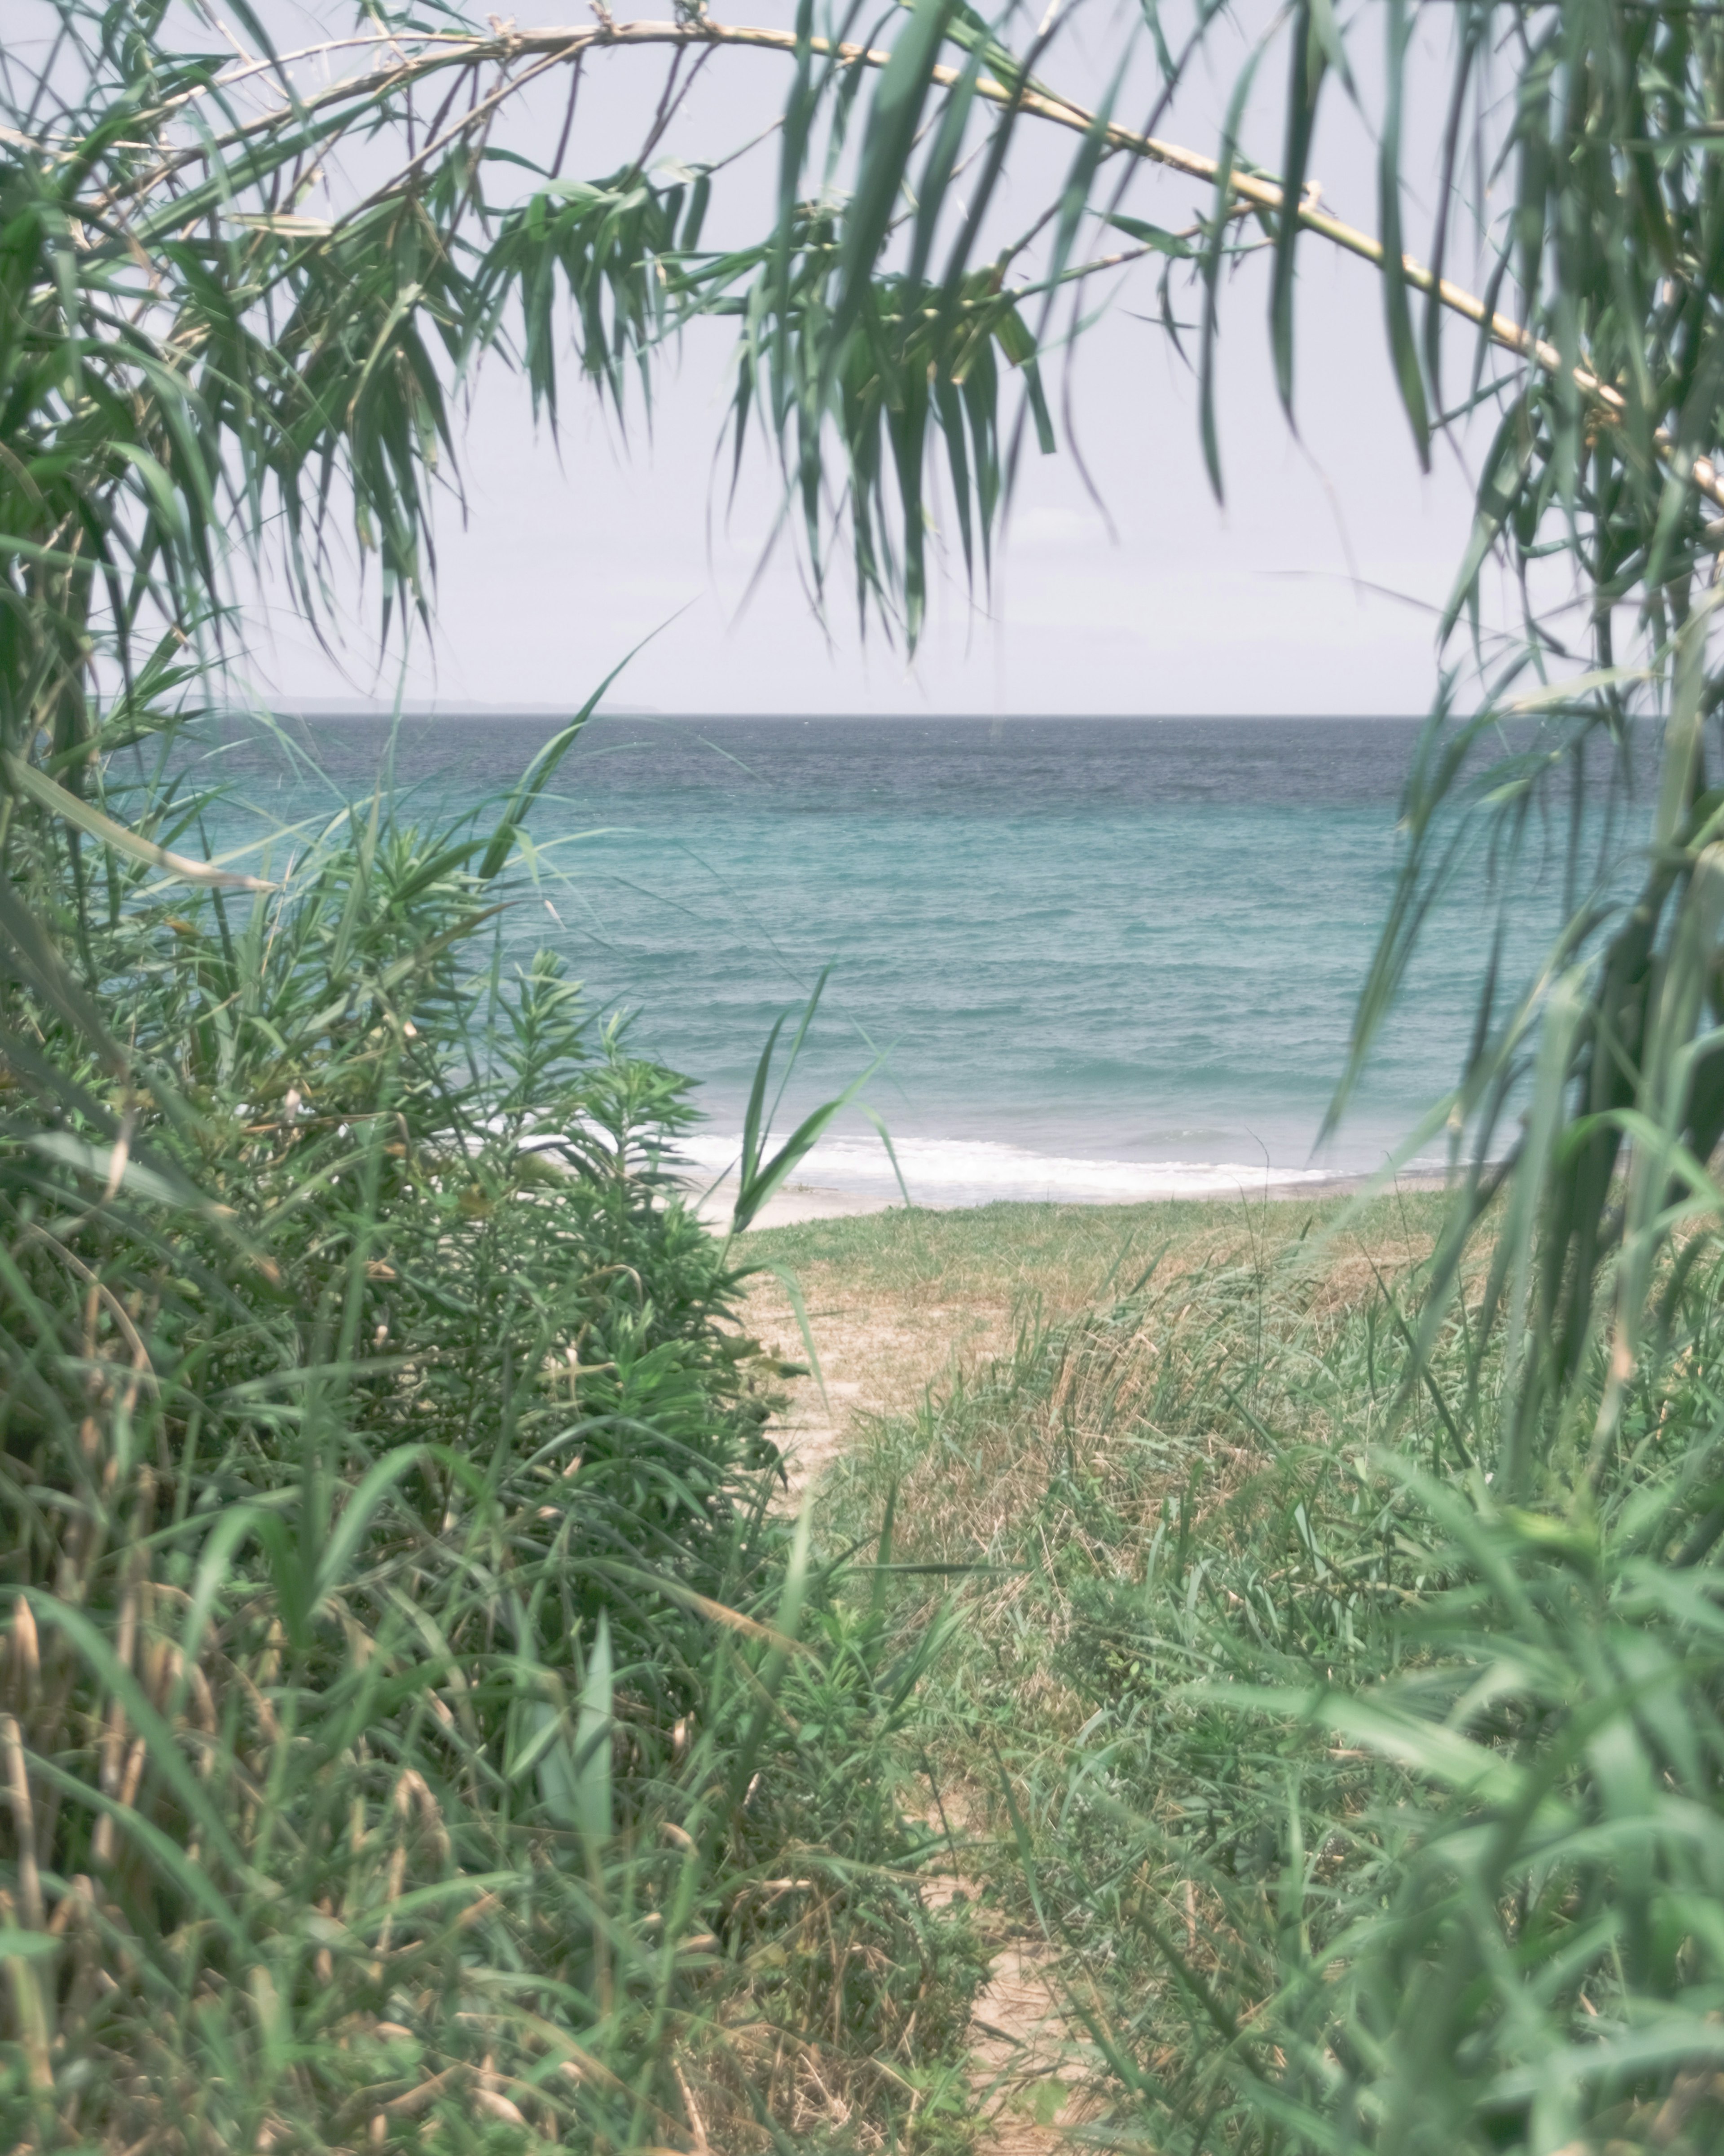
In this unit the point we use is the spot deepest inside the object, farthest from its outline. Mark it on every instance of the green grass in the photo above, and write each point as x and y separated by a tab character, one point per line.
1068	1256
415	1720
402	1736
1359	1809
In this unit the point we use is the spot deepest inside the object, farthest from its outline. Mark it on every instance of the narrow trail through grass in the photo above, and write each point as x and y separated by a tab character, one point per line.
934	1333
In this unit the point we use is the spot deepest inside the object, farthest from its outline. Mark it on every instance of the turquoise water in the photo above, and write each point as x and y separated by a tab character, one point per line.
1100	958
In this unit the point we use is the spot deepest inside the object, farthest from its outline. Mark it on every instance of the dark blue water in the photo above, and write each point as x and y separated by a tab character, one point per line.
1102	958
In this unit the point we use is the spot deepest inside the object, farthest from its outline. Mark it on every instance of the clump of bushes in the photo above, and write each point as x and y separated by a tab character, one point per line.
403	1685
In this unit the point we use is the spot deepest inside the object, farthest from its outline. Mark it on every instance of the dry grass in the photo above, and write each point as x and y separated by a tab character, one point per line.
908	1301
1011	1374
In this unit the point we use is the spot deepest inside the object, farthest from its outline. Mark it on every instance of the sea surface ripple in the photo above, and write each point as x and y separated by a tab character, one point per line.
1095	958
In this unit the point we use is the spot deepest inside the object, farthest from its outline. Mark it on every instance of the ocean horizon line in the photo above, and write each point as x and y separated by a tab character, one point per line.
336	708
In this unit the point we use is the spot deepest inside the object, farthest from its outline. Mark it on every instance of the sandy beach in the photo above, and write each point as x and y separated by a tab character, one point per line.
796	1202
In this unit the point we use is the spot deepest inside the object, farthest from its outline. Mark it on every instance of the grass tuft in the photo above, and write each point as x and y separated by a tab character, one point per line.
1346	1805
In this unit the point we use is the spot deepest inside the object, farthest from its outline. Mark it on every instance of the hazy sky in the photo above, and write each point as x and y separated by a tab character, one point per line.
1279	602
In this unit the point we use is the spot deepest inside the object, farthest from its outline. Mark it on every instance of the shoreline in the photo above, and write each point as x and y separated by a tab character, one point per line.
796	1203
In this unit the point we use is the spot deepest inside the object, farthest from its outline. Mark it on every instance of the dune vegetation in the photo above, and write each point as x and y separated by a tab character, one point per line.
421	1723
1321	1793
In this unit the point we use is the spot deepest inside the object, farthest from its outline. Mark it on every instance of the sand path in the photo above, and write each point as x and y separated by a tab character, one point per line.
932	1294
880	1350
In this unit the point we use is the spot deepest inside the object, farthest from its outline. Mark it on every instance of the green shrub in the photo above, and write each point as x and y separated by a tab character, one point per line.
396	1727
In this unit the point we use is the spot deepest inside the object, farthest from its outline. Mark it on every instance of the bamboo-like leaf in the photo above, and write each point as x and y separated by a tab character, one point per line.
938	167
1307	62
1171	244
1403	345
767	1176
335	1558
1212	259
539	772
25	778
1074	195
106	1165
703	1605
592	1758
894	115
1500	483
27	953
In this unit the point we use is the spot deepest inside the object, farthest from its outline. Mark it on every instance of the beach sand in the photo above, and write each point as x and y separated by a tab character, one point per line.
788	1206
900	1298
796	1203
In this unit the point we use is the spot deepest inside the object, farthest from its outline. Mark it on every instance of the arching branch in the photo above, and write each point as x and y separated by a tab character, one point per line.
415	59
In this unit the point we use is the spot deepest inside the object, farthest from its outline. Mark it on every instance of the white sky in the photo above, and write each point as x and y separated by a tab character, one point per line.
1185	608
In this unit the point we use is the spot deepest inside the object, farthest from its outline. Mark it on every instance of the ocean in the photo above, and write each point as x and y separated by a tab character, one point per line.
1086	959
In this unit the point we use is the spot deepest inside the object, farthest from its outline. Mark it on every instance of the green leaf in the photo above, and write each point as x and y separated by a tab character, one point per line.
539	772
893	118
594	1725
1171	244
1213	249
1403	345
1308	60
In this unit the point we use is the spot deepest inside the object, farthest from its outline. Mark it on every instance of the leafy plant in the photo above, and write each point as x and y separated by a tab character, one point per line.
315	1640
399	1645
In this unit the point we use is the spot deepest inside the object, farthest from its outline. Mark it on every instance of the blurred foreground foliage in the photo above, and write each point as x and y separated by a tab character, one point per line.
415	1719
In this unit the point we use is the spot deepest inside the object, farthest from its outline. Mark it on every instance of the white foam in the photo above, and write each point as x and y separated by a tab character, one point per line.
972	1171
